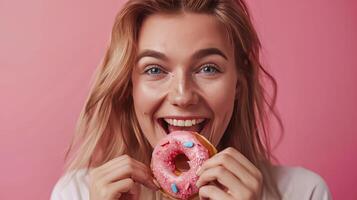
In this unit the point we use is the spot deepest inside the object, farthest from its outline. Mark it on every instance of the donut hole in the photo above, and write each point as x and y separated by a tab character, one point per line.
181	163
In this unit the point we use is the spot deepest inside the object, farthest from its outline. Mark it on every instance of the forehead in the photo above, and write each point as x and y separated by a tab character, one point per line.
182	33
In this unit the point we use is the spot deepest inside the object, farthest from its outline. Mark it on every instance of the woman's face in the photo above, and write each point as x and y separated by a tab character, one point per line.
185	76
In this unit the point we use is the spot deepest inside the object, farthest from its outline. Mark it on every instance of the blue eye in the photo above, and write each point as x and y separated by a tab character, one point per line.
154	70
209	69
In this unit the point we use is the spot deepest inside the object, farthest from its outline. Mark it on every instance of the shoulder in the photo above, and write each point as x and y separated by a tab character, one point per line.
72	185
295	182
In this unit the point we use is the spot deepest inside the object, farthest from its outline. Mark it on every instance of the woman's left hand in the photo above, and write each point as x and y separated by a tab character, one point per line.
240	179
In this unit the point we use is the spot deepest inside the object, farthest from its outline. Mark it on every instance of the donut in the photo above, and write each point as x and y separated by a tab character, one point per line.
174	183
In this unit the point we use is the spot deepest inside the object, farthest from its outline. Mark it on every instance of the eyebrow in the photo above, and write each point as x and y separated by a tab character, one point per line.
197	55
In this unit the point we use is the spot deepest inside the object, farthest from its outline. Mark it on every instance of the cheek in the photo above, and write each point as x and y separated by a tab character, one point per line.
144	98
147	98
143	106
141	100
223	110
220	97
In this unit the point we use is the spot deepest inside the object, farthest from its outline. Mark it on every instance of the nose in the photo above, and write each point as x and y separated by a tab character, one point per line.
182	91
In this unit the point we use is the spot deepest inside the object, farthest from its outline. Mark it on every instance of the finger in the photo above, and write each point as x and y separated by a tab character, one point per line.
116	160
226	178
235	167
110	171
243	160
116	189
107	167
213	192
132	169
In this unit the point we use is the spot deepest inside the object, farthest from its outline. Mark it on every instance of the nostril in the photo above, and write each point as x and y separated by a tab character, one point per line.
184	99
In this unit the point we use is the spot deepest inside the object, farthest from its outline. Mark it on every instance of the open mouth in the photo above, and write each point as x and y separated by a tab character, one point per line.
170	125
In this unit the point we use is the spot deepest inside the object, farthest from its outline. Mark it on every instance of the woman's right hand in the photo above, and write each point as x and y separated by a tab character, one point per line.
119	178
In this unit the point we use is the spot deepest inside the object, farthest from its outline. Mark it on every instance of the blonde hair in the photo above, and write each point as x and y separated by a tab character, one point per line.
107	126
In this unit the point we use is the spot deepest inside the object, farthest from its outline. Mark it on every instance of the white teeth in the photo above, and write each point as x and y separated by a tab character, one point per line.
180	123
176	122
188	123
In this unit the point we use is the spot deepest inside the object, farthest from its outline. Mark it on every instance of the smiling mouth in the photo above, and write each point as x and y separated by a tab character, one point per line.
170	125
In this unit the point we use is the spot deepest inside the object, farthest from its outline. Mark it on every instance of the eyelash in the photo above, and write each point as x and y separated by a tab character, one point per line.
152	67
213	66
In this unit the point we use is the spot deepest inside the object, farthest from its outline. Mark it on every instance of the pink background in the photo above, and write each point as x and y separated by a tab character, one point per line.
49	50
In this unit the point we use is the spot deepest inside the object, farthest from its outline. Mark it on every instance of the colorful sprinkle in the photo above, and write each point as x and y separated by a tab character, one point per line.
174	188
188	144
164	143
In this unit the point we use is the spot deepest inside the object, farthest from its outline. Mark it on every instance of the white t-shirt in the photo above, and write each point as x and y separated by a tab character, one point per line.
294	183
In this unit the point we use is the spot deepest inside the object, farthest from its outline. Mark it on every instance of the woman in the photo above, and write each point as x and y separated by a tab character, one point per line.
183	60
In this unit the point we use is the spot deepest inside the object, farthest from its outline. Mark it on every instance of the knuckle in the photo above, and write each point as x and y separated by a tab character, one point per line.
220	170
224	157
125	157
129	161
230	150
131	166
128	169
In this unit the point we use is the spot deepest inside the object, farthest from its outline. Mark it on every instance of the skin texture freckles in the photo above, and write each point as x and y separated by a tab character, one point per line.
179	84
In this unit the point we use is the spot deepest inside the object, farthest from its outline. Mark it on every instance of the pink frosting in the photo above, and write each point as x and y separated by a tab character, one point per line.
163	167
